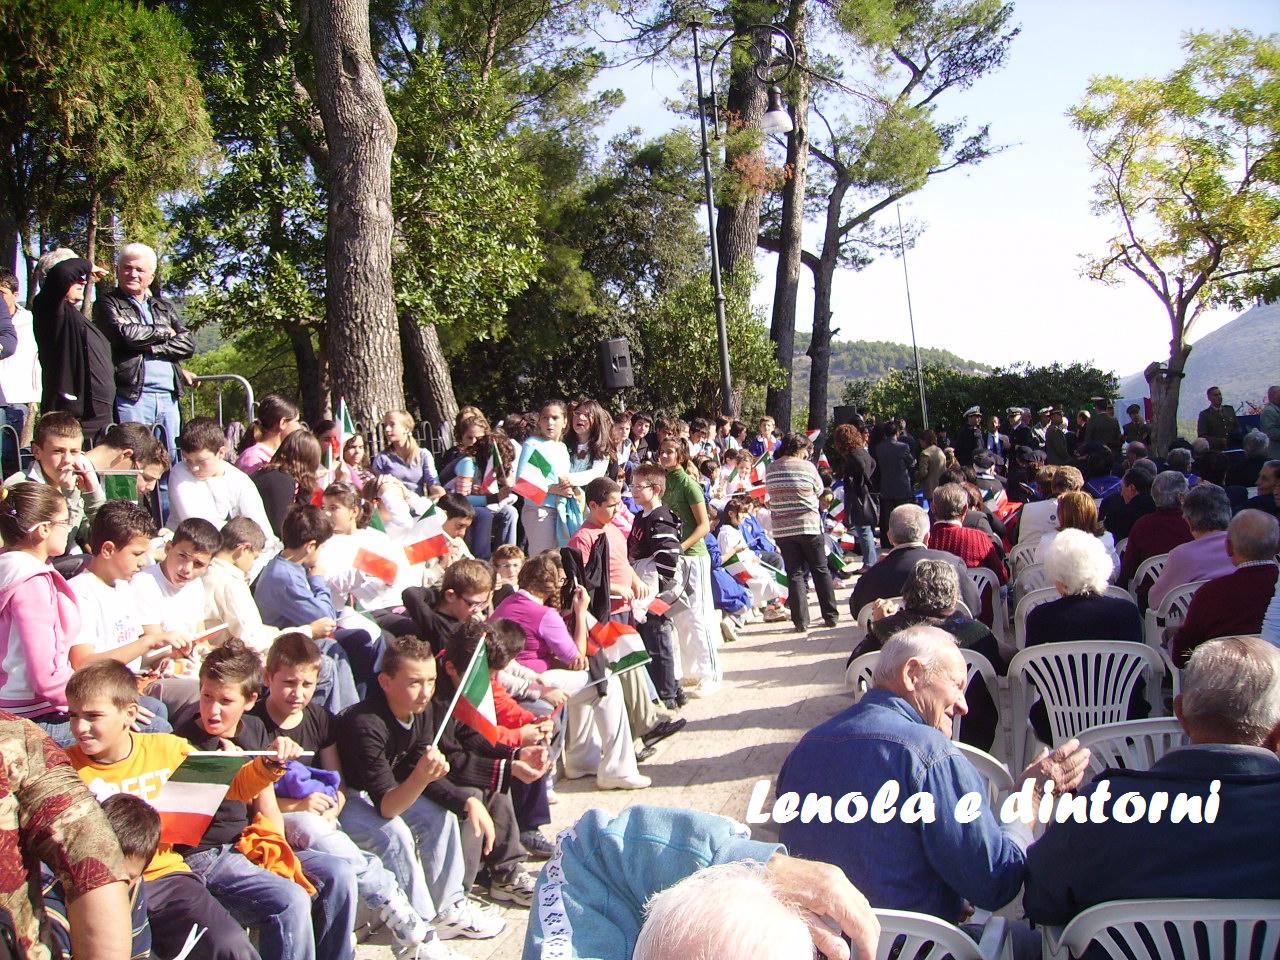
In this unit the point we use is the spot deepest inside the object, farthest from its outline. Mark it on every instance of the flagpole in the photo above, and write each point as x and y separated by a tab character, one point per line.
462	680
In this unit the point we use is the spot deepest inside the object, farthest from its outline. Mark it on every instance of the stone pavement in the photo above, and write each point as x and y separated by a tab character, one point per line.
778	684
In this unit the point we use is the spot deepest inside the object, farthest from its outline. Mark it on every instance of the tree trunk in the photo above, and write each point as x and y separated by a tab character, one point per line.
310	376
8	239
363	341
824	276
91	250
738	218
782	328
427	373
1165	383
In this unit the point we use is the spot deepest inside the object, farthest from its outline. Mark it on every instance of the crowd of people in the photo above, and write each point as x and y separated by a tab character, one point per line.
316	598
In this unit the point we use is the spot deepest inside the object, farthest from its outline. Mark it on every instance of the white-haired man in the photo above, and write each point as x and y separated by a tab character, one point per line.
658	883
1230	709
148	342
899	733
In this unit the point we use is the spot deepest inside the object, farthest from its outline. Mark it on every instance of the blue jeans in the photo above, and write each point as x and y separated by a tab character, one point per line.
280	909
310	831
422	847
866	537
504	524
14	415
154	407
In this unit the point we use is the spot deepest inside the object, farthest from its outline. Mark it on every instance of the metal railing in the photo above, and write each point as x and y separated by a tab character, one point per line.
221	379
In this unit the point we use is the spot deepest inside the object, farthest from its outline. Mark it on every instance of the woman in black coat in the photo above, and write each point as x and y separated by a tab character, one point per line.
75	356
861	510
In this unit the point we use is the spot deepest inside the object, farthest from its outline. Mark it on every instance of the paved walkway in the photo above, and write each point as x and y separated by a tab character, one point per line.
778	684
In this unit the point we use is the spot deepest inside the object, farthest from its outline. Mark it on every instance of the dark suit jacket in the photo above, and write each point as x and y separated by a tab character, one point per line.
893	468
886	577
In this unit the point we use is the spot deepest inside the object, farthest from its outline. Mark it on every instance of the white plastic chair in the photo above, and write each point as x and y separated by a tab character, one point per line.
1164	929
1131	744
1022	554
864	615
1172	611
1120	547
1149	570
919	936
986	580
995	772
858	678
1036	597
1082	684
1033	577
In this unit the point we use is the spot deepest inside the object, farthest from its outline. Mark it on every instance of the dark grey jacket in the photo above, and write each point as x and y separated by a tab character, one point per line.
894	465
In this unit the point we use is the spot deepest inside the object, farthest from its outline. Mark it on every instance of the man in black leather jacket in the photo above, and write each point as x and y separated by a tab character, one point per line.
148	343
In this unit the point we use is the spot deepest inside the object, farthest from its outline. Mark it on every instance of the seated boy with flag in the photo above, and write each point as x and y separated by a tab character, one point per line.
111	758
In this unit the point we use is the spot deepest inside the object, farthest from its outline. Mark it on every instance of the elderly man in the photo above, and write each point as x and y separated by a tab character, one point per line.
907	526
1236	603
1268	498
1243	472
1269	423
1217	422
148	342
1160	530
1119	511
899	734
1020	431
975	548
1204	557
656	883
1230	709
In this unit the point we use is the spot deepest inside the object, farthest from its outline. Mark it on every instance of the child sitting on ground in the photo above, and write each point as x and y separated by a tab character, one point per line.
507	561
205	485
762	581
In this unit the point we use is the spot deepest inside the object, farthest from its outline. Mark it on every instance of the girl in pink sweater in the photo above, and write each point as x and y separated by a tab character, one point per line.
39	619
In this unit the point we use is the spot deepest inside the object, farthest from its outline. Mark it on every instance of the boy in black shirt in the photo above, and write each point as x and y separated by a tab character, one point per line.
399	805
291	926
653	548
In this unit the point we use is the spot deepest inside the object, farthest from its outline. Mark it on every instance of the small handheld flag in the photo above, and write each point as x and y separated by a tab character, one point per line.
192	794
427	538
375	565
494	471
737	568
621	644
121	484
473	701
536	478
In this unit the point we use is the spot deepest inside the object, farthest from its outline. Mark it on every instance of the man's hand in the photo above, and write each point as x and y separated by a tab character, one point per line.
323	627
825	892
432	765
481	823
641	590
85	476
1065	766
145	717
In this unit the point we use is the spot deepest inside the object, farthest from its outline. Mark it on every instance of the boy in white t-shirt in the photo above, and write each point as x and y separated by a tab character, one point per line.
170	594
205	485
120	538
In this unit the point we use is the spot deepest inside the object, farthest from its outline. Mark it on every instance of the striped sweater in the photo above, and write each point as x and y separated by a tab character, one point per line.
794	487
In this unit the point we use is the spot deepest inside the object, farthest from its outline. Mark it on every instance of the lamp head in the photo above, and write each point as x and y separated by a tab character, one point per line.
776	118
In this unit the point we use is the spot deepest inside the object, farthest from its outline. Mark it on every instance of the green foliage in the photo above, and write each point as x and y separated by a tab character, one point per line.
1189	170
266	362
465	205
950	391
101	108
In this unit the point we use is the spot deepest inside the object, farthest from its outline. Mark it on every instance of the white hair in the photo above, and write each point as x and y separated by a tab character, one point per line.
726	910
1168	488
51	259
908	523
1255	443
137	250
922	642
1233	683
1079	562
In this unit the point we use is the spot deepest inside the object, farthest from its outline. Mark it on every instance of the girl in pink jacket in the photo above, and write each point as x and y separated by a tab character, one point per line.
39	619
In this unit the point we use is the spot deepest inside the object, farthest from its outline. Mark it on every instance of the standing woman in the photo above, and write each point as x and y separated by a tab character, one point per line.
542	521
683	496
277	418
857	468
403	458
794	488
75	356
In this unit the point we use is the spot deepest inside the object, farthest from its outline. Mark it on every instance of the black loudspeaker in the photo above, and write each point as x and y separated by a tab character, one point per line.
615	364
845	414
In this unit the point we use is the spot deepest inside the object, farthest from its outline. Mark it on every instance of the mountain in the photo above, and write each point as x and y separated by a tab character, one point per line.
864	359
1242	357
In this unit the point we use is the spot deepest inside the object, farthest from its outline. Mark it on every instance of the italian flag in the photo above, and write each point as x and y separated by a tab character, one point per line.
813	435
848	542
427	538
758	470
346	430
779	577
658	607
473	703
375	565
737	568
836	512
536	478
621	644
760	493
823	461
190	797
836	561
494	472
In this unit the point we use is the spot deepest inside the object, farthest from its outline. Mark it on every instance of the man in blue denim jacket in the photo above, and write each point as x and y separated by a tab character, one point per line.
899	733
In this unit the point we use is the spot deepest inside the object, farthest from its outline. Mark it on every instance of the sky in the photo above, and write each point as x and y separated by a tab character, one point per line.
995	277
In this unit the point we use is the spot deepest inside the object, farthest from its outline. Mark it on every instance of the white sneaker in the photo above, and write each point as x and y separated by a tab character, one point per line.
407	928
433	949
516	888
637	782
468	919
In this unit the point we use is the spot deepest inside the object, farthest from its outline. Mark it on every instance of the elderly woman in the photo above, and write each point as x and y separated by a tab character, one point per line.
929	596
1079	566
1207	511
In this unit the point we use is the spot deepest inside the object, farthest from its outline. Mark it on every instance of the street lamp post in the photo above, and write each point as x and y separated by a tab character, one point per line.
775	120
